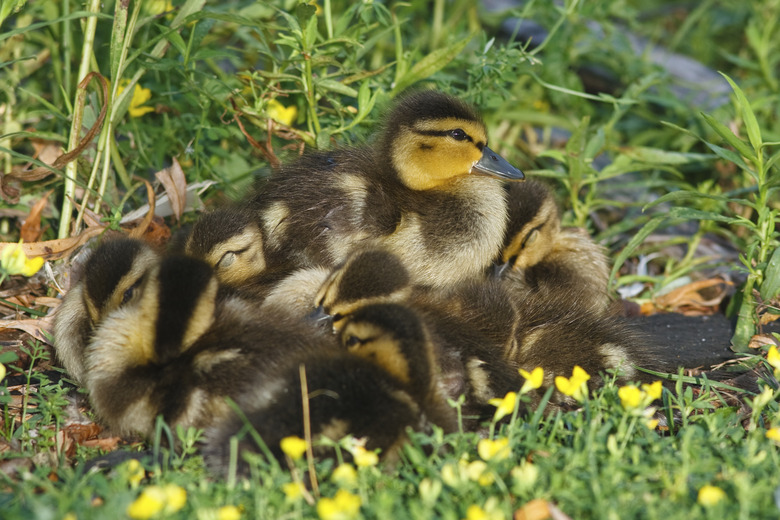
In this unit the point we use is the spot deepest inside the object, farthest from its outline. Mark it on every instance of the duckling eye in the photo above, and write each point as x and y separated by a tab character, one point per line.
458	134
352	341
128	295
227	260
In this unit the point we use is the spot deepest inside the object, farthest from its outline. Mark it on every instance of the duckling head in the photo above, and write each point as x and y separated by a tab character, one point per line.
231	241
394	338
370	275
112	277
430	139
533	225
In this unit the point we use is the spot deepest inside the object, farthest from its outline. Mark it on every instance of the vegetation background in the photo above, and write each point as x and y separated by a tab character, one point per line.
655	121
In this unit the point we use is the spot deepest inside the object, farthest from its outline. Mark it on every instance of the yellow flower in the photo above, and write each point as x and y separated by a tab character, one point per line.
13	261
451	475
344	475
474	512
2	371
363	457
497	449
70	516
524	476
504	406
140	96
652	424
533	380
489	512
155	499
763	399
575	385
280	113
710	495
654	390
429	491
773	357
228	513
630	397
135	472
478	472
293	490
773	434
343	506
294	447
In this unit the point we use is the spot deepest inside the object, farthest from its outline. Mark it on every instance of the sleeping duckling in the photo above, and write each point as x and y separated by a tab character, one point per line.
383	382
429	190
112	276
471	363
541	255
182	347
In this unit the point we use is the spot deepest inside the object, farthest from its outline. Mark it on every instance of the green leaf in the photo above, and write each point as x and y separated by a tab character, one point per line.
728	155
696	214
429	65
635	242
335	86
658	156
748	116
770	287
683	194
730	138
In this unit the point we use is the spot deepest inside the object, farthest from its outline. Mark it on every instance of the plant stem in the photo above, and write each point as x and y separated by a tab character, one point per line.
71	170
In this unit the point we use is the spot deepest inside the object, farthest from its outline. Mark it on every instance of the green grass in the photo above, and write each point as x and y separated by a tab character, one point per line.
638	161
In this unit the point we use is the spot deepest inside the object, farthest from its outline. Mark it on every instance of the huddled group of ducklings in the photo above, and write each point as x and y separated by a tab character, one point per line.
357	291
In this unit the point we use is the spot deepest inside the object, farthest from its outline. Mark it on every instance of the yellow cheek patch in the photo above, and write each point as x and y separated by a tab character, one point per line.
275	222
202	316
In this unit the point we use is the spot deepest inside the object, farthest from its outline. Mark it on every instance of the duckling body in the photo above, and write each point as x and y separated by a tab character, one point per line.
182	348
429	190
381	383
112	276
548	259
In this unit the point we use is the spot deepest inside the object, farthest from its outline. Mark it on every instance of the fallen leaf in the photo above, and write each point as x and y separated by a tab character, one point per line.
175	184
763	340
31	229
536	509
107	444
697	298
34	328
55	249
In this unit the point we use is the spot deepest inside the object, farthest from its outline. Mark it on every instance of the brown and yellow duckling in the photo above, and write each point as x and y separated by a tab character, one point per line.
541	255
382	383
428	189
111	278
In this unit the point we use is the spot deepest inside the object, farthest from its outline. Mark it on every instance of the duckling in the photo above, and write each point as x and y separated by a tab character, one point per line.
383	382
470	362
541	255
182	347
429	190
112	276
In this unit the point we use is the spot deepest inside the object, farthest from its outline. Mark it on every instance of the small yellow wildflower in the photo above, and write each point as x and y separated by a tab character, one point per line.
70	516
2	371
451	475
155	499
294	447
479	472
474	512
293	491
344	475
343	506
710	495
13	261
504	406
489	512
654	390
228	513
574	386
140	96
630	397
135	472
763	399
363	457
773	434
280	113
429	491
497	449
652	424
773	357
533	380
524	476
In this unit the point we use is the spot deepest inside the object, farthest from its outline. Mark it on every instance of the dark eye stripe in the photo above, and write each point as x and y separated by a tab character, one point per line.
442	133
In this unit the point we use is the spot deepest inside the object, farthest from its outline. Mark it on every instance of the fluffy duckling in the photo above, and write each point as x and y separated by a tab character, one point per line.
541	255
470	361
382	383
429	190
182	347
112	276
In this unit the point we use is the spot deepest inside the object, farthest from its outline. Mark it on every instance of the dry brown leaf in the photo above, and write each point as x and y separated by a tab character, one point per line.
763	340
696	298
31	229
540	509
46	151
81	433
34	328
55	249
107	444
175	184
139	231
